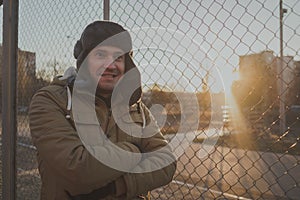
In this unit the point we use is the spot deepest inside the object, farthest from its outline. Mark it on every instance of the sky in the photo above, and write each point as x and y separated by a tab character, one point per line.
177	43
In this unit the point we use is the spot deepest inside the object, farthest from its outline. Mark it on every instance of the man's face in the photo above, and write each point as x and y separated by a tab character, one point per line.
106	64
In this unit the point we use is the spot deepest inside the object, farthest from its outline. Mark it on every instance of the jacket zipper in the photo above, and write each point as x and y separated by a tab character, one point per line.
108	120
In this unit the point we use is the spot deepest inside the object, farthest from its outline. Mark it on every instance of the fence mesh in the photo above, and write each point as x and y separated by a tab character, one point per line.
215	64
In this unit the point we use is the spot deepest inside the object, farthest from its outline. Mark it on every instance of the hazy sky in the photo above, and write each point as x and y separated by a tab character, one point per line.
189	38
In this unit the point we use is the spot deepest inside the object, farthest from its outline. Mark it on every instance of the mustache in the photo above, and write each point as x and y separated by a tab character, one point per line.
101	71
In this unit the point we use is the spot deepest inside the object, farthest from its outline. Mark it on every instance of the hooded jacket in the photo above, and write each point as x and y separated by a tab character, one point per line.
69	171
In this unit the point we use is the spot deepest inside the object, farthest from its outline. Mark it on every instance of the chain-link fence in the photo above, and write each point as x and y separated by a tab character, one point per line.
238	59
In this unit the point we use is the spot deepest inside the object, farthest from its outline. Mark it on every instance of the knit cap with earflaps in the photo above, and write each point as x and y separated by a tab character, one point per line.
103	33
106	33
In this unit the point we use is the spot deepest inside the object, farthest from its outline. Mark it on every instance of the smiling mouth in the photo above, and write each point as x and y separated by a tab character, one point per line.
109	75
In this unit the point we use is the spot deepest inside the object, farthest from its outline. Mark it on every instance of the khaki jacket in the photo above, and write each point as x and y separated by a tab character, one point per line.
67	167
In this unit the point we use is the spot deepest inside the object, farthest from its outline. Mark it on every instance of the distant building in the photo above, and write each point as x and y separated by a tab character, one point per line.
258	80
263	74
26	76
264	80
253	65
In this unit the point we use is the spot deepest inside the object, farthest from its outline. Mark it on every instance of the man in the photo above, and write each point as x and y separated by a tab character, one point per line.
75	160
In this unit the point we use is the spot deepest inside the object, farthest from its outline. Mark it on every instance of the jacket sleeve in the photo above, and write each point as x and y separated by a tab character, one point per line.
157	167
61	150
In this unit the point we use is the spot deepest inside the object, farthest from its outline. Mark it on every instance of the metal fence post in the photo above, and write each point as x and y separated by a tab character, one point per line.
9	74
106	9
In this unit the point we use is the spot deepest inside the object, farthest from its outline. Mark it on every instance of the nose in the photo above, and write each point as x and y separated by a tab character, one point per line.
111	62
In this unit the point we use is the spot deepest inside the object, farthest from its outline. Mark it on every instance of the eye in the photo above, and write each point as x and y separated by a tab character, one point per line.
100	54
119	58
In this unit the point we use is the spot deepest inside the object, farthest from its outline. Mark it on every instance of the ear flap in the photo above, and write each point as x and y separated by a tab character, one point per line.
77	49
79	53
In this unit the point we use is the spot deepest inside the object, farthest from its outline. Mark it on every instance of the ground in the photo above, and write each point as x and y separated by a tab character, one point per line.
28	181
264	141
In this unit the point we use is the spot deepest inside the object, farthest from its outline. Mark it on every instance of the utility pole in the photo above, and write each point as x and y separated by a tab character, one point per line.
281	71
